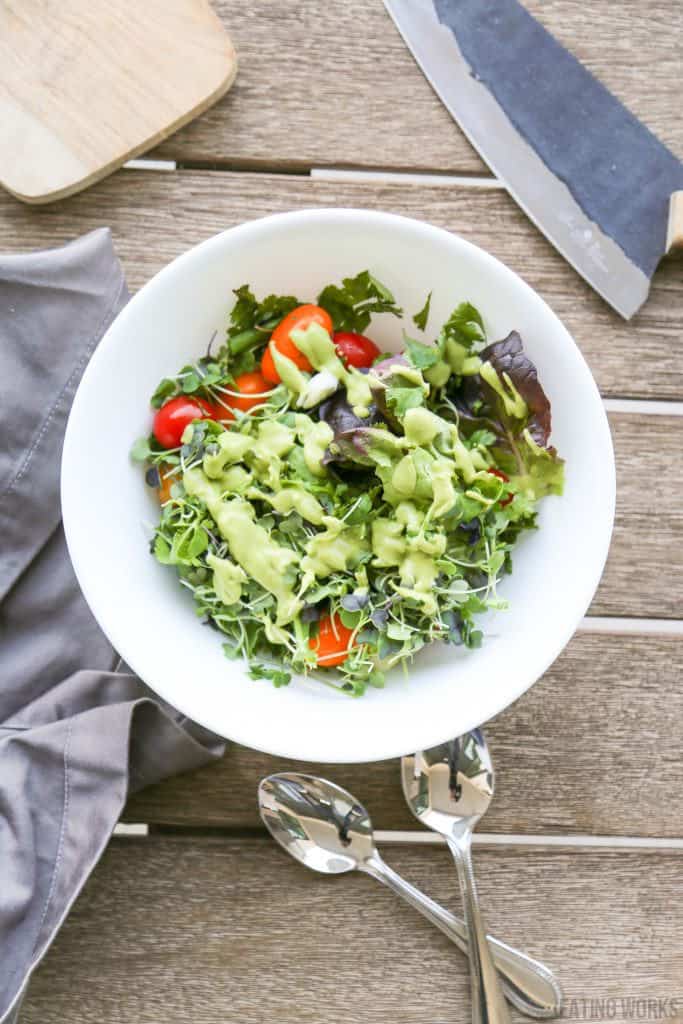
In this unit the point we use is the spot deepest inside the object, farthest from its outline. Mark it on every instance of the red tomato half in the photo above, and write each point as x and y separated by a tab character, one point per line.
251	386
172	418
298	320
331	645
501	476
355	349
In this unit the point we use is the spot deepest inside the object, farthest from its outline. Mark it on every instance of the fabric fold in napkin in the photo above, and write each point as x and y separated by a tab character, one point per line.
76	737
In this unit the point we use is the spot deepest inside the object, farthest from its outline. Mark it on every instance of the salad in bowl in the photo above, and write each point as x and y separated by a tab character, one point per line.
334	508
404	538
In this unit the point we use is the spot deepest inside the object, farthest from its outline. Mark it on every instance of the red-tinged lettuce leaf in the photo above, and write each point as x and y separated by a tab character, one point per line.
358	441
521	447
351	432
508	357
388	365
396	386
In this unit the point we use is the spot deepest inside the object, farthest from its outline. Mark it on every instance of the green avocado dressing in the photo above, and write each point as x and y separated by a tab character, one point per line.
290	374
421	426
414	556
318	347
250	545
456	359
417	572
315	438
264	455
512	401
336	549
227	579
421	473
295	499
232	448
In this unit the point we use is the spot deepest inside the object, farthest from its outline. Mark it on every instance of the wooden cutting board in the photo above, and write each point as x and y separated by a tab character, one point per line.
87	84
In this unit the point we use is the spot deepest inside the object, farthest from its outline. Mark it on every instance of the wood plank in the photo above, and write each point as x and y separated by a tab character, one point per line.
156	216
593	748
179	930
334	85
644	572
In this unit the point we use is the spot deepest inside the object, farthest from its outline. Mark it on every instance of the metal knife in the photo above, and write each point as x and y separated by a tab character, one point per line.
601	187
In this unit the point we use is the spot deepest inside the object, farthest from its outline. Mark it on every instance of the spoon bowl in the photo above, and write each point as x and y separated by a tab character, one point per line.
449	784
320	824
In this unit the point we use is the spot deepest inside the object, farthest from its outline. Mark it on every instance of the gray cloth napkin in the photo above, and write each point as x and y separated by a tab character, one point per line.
76	737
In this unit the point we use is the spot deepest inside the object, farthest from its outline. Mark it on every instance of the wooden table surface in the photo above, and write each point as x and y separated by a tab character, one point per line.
198	916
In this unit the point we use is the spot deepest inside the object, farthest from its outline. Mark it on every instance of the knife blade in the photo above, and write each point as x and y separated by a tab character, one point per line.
601	187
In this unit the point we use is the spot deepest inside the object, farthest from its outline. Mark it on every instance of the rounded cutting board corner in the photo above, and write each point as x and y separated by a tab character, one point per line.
90	84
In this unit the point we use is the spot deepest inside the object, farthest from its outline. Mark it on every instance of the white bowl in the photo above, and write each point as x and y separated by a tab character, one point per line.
150	619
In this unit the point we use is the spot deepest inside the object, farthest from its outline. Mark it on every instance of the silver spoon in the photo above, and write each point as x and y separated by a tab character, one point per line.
448	788
326	829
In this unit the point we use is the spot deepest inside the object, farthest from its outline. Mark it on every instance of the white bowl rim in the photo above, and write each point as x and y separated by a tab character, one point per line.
248	733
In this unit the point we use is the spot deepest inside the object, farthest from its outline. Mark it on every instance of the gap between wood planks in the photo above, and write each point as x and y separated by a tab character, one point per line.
335	174
386	837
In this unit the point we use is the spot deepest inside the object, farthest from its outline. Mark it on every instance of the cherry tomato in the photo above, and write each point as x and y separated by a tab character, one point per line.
501	476
172	418
252	386
298	320
355	349
220	412
332	642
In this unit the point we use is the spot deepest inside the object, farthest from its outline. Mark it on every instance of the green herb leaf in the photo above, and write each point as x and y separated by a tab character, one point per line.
277	676
481	438
165	389
420	319
162	550
395	631
465	325
197	542
141	451
248	314
399	400
190	380
349	619
359	298
421	356
245	362
361	510
244	310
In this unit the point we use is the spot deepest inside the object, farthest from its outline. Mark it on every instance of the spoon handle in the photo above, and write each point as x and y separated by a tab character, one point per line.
488	1005
527	984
